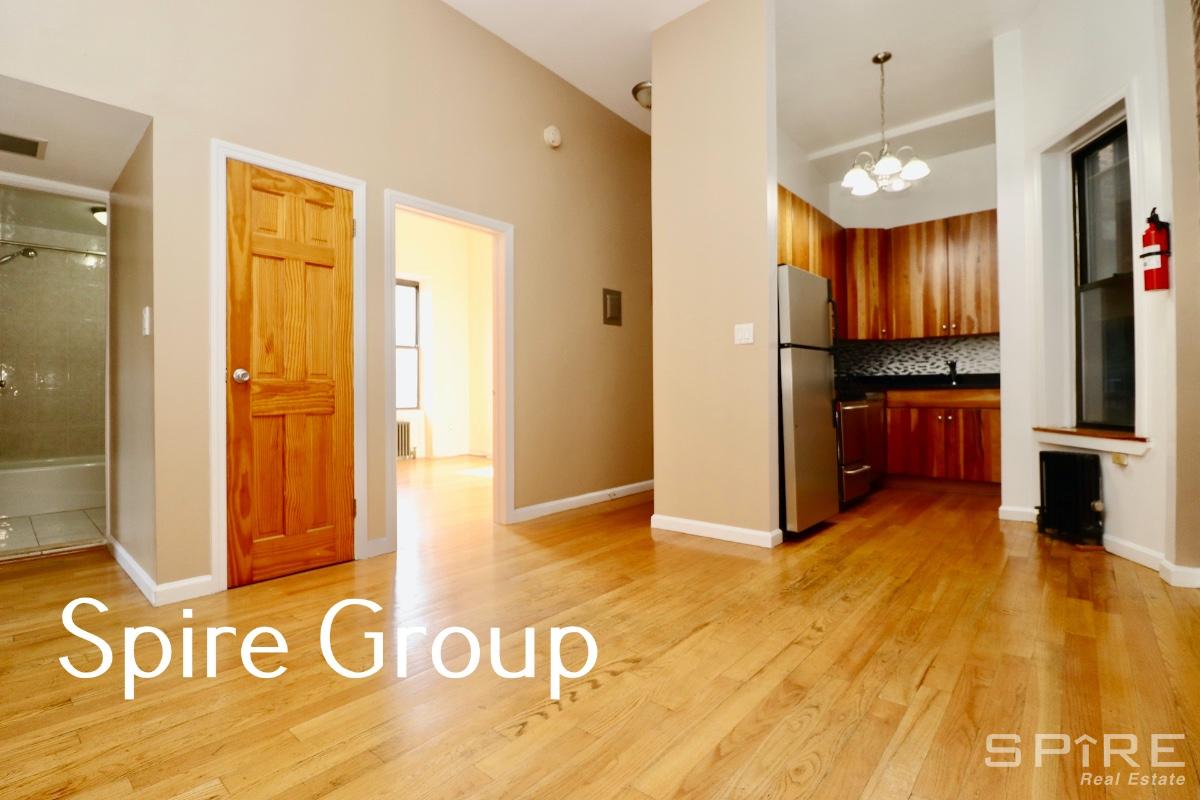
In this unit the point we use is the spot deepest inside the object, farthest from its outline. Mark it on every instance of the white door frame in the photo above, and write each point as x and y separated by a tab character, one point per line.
503	447
221	151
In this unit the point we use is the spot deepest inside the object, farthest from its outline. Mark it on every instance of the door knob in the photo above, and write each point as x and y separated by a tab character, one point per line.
241	376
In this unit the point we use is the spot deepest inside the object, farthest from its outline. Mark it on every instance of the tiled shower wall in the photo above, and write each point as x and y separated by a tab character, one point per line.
52	337
974	354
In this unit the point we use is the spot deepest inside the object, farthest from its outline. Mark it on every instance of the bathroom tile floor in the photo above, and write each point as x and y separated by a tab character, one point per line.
21	537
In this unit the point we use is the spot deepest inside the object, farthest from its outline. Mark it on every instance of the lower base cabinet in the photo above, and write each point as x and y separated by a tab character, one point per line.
952	443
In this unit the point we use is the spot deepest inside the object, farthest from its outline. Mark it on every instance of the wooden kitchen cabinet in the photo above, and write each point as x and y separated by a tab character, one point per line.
944	433
810	240
972	444
918	280
863	310
916	442
972	267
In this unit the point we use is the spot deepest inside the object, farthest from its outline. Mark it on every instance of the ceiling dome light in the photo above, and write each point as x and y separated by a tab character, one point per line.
887	171
641	93
101	214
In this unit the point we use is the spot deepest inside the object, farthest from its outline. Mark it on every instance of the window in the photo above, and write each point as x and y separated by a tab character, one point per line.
408	359
1104	360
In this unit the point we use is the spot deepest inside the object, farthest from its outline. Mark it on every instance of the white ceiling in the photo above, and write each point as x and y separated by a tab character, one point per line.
88	142
941	61
602	47
29	208
828	87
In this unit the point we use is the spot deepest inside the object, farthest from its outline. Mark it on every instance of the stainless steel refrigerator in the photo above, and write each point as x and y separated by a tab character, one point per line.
808	436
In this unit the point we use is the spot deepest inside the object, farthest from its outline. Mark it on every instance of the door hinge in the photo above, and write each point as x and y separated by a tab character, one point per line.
353	228
354	508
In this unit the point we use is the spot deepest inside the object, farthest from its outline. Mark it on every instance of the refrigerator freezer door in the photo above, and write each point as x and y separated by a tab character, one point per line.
810	465
805	314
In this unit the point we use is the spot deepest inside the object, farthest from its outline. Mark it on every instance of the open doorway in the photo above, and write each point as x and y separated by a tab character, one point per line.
443	324
448	304
53	322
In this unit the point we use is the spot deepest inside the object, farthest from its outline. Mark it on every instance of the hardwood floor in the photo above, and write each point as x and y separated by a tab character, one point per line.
868	661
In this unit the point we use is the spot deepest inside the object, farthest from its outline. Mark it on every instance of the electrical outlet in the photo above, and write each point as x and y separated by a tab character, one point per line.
743	333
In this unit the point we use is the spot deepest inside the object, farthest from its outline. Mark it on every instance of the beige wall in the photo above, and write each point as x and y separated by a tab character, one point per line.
131	358
1183	54
715	438
453	264
408	95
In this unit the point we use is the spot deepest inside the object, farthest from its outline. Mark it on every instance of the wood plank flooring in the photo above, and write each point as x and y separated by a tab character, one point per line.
870	660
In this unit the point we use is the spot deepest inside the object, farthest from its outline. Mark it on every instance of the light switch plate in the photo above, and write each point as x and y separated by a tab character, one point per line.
743	333
145	320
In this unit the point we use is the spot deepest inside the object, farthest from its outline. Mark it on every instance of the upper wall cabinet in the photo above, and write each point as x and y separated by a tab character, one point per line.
974	278
936	278
918	281
863	310
810	240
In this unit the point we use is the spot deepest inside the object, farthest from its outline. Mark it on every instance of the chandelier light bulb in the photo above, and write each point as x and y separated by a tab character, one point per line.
887	166
896	185
865	189
914	170
856	176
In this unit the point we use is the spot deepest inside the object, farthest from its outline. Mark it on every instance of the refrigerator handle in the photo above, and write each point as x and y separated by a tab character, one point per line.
833	388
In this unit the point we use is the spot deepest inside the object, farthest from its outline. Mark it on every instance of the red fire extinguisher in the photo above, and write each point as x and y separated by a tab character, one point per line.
1156	252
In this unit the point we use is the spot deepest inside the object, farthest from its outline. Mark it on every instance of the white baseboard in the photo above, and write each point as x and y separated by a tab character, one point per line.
1136	553
133	569
526	513
375	547
714	530
1183	577
1018	513
160	594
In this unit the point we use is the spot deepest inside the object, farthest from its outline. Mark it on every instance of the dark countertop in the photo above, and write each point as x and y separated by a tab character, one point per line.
851	387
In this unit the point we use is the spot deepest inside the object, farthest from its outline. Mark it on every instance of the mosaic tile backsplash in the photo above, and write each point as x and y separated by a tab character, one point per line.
974	354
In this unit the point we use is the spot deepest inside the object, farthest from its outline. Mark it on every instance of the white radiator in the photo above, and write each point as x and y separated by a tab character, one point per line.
404	448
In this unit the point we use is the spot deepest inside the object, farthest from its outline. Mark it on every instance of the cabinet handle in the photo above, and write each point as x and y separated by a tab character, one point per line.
949	419
939	417
943	326
953	326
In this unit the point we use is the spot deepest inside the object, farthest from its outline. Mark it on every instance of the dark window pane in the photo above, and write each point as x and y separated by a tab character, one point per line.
1106	377
1107	236
406	315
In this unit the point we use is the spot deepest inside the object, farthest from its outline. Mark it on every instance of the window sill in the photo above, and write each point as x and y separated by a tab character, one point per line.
1093	439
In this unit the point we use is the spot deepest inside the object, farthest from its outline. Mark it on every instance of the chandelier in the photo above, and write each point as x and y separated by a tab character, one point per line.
891	172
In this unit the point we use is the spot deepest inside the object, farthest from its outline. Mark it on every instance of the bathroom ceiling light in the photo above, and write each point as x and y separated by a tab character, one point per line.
101	214
892	172
641	93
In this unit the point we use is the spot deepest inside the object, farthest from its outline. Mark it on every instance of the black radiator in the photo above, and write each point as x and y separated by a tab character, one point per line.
1072	506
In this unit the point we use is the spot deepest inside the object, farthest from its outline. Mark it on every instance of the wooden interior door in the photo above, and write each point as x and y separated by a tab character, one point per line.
289	383
917	280
973	273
